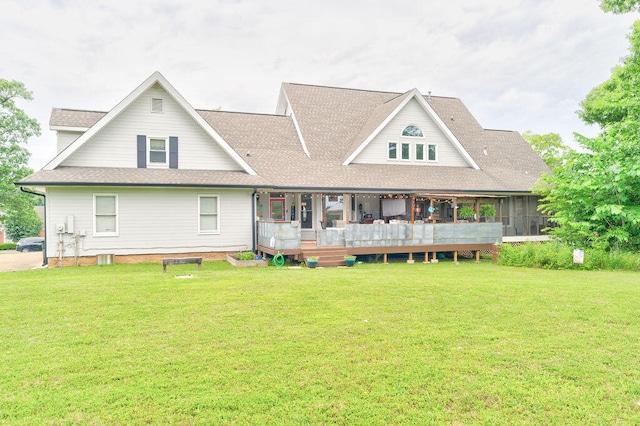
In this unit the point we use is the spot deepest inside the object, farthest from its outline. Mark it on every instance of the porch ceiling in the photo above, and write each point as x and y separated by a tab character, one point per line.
459	196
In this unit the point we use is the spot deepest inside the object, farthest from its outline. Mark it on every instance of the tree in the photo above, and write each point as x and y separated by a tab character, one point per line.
22	221
620	6
16	127
595	196
549	146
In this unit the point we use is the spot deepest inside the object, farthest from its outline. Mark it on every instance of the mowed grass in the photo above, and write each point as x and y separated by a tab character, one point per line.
374	344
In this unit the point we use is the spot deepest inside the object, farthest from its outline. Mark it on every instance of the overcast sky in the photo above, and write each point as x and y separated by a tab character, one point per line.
516	64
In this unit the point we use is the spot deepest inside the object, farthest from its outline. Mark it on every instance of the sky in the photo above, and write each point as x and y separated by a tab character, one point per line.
516	64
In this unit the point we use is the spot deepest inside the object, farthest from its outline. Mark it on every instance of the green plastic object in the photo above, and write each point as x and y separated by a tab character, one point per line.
278	260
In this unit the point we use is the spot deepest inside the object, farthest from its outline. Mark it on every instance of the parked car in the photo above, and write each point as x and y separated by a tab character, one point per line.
30	244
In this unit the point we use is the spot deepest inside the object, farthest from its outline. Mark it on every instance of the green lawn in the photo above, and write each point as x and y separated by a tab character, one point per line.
374	344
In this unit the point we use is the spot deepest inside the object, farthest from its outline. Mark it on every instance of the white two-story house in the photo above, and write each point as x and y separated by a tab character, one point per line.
154	177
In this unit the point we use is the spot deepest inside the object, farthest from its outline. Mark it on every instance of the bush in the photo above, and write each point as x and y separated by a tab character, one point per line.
554	255
8	246
466	212
487	210
246	255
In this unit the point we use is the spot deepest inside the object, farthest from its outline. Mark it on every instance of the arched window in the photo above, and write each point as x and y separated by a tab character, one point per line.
412	131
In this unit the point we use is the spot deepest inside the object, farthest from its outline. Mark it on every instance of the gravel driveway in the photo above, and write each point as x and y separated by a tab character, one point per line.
11	260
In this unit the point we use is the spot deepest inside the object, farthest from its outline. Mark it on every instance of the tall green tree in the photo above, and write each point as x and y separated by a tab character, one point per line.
620	6
16	127
22	221
549	146
595	196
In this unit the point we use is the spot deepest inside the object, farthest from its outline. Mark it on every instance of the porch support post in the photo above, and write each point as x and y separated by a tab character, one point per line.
410	256
324	208
476	208
413	208
426	257
435	256
455	256
433	218
384	258
455	210
346	208
477	256
527	229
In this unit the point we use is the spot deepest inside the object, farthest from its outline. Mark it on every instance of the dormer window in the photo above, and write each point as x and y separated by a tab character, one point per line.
412	131
432	153
393	151
405	147
157	105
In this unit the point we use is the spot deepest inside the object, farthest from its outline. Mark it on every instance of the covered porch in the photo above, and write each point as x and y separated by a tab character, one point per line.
302	224
317	210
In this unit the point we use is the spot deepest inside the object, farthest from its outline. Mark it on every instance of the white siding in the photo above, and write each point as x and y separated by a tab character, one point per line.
116	146
65	138
377	150
156	220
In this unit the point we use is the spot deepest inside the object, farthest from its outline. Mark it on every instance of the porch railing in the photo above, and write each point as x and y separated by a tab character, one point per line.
423	234
279	235
286	235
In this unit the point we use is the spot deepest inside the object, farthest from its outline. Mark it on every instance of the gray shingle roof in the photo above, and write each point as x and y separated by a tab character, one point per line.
333	122
121	176
61	117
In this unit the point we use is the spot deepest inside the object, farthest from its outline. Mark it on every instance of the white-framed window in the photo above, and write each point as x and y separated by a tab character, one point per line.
157	105
432	152
419	149
405	151
105	215
158	149
208	214
412	132
393	151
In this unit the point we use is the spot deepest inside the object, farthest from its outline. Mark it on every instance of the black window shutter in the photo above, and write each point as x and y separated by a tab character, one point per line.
142	151
173	152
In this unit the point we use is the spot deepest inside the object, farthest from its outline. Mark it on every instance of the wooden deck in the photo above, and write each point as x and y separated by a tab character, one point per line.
334	255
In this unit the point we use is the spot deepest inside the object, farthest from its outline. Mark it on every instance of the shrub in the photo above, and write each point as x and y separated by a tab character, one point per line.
466	212
552	256
487	210
555	255
246	255
8	246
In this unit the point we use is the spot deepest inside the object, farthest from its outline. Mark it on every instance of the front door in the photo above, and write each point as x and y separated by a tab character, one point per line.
306	217
306	211
276	207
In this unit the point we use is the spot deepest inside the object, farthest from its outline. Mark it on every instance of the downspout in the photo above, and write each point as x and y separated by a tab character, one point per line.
45	260
253	219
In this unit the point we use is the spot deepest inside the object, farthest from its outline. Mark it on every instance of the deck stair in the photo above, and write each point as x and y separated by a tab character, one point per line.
328	256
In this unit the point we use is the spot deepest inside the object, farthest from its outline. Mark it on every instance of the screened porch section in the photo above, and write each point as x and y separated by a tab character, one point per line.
313	212
332	226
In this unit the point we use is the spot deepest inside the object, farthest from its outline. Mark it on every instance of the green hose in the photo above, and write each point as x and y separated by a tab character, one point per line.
278	260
